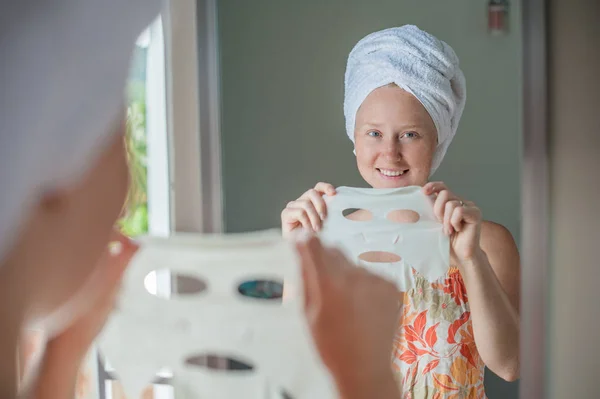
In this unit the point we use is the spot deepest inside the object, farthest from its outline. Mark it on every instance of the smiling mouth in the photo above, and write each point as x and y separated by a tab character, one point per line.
392	173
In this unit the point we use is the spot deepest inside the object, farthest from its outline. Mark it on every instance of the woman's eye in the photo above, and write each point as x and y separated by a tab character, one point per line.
410	135
374	134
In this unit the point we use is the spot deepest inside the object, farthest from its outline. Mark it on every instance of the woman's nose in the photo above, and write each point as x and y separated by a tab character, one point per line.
392	149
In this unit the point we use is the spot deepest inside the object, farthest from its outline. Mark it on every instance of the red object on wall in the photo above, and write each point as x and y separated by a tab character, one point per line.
497	16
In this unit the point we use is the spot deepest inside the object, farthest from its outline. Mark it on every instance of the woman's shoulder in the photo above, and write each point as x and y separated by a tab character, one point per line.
495	231
495	234
497	241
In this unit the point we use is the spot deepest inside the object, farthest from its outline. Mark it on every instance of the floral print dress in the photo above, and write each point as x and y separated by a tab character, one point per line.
434	354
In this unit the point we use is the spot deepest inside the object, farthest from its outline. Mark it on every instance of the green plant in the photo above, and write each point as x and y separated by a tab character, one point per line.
135	219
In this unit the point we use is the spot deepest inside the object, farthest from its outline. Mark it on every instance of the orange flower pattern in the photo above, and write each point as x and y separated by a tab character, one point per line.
434	355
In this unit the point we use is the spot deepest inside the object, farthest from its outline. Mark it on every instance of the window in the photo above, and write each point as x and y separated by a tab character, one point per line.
148	210
174	145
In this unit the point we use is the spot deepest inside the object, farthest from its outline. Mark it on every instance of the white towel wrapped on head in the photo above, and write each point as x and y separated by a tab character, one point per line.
417	62
63	74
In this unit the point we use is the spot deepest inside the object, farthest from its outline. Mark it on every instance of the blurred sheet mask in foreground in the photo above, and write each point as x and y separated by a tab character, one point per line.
231	303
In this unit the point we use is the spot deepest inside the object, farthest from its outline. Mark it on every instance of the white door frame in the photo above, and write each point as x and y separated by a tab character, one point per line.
194	116
534	204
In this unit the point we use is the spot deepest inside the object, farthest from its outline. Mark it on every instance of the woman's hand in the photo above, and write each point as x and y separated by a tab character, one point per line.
64	353
75	341
462	221
309	211
352	315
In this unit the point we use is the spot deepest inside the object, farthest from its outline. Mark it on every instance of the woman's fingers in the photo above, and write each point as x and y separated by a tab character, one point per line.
434	187
457	218
317	201
444	202
113	264
308	211
351	313
471	213
451	223
325	188
122	248
439	205
457	214
321	267
292	217
310	273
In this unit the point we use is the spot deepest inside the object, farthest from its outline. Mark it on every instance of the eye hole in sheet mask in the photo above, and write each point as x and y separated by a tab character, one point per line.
219	363
379	257
403	216
181	284
286	395
269	290
357	214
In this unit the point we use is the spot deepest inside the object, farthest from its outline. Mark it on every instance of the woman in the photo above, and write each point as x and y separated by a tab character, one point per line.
404	96
64	177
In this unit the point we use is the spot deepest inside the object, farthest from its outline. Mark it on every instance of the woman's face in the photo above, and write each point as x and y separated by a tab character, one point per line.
394	138
70	229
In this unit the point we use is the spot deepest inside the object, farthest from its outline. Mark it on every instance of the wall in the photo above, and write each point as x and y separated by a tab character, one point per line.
282	92
574	361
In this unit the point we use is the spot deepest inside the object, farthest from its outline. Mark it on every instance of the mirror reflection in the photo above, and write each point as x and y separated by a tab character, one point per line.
389	94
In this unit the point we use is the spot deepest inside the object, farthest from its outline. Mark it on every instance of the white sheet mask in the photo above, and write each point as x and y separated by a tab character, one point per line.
401	225
147	333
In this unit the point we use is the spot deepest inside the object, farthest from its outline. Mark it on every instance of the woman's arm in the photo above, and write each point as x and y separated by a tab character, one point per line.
488	260
58	373
65	353
492	282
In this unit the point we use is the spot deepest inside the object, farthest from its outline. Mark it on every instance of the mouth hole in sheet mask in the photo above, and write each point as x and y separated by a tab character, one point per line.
357	214
379	257
219	363
180	284
270	290
403	216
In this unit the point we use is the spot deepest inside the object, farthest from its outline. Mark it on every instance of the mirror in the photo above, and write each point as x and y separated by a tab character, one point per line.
282	67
